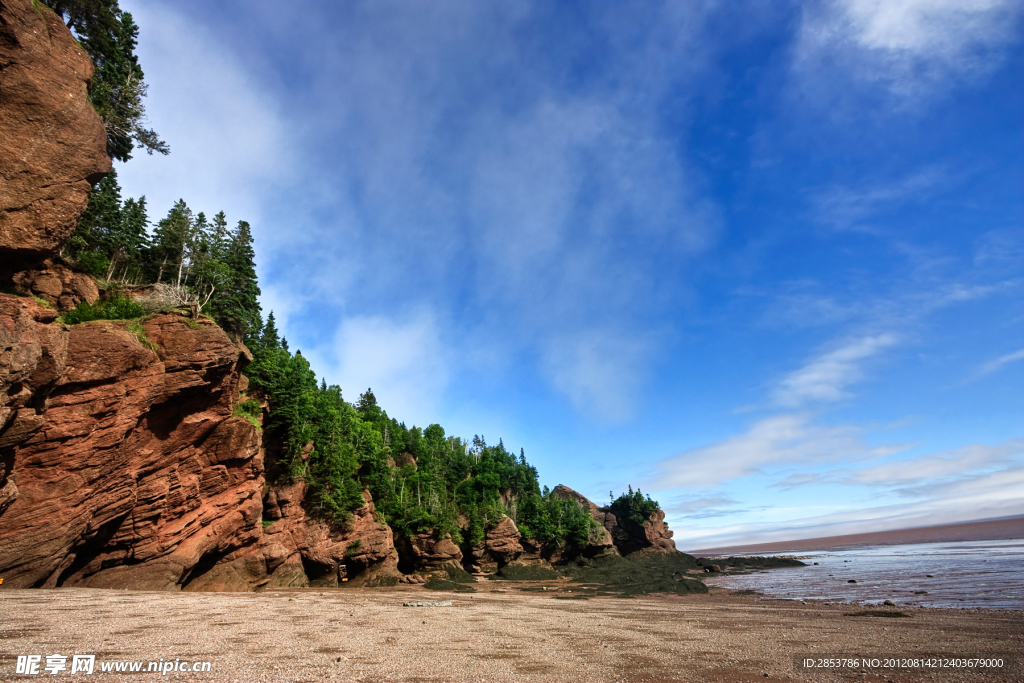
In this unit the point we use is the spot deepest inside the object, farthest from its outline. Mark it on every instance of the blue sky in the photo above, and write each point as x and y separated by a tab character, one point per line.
762	260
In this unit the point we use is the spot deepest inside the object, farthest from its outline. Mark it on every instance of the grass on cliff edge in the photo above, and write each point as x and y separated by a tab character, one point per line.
117	307
250	409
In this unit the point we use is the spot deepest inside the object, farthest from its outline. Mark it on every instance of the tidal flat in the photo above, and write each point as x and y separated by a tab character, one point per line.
501	633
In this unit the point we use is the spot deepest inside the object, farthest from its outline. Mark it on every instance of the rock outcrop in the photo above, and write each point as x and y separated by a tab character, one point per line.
52	142
501	546
426	551
57	284
624	535
653	536
122	463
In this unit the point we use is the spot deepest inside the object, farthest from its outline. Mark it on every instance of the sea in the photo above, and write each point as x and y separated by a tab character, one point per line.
964	574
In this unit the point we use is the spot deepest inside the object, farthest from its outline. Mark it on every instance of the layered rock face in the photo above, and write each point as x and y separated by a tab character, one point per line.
297	551
122	465
52	142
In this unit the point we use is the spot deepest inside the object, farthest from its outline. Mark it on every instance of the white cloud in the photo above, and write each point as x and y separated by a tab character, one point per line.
770	442
228	142
403	360
827	377
600	371
910	46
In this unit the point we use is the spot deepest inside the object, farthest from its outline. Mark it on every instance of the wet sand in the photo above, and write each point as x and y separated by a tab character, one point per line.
965	531
368	635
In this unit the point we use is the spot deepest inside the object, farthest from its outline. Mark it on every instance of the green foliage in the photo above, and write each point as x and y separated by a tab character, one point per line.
634	507
117	89
249	409
110	240
236	305
117	307
212	266
456	488
94	263
353	547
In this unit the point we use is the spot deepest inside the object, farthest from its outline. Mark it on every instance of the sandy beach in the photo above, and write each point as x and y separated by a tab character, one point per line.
542	635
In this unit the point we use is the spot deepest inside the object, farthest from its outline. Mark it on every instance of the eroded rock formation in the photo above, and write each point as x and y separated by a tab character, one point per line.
126	466
52	142
296	550
427	550
626	536
501	546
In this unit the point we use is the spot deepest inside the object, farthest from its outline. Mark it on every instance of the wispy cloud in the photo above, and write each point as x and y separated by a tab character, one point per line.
770	442
984	496
908	476
827	377
912	47
853	208
997	363
704	507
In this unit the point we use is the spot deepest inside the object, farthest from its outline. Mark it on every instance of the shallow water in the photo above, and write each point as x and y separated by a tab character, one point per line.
988	574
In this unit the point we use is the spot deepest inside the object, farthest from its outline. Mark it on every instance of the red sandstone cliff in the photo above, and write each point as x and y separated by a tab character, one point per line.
121	464
52	143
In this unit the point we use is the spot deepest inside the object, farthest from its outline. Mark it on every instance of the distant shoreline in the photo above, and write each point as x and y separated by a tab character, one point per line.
986	530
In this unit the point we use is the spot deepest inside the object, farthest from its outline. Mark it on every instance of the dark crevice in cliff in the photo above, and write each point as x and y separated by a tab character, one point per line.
165	418
205	564
90	547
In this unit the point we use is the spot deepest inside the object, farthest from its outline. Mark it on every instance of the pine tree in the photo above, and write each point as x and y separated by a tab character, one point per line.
269	339
238	306
170	241
366	401
130	240
117	90
220	238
